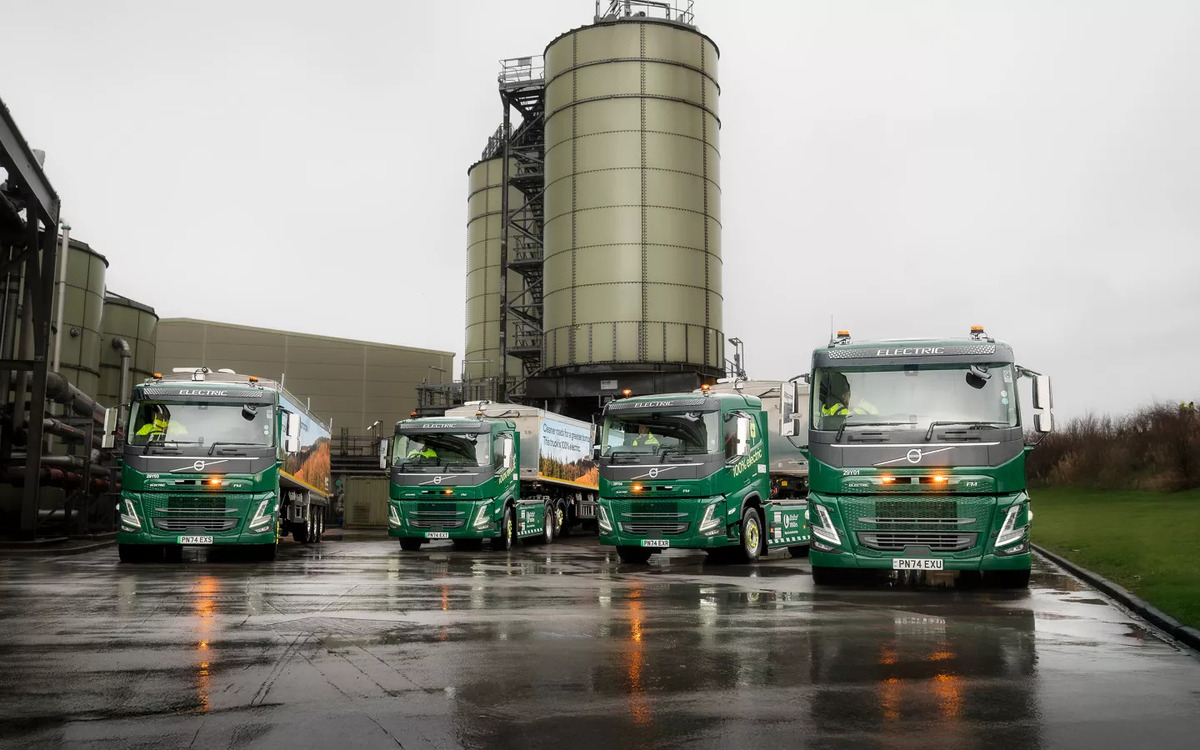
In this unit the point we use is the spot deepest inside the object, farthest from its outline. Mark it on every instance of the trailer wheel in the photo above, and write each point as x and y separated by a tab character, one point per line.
633	554
1007	579
548	524
507	537
300	531
801	551
410	544
320	523
752	536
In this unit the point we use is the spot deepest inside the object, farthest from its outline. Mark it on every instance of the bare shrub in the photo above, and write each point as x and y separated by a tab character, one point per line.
1156	447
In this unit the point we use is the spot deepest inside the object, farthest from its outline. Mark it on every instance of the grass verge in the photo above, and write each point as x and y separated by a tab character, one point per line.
1148	542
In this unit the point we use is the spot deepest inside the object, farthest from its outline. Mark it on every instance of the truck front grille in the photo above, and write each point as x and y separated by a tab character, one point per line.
643	528
205	524
437	520
897	541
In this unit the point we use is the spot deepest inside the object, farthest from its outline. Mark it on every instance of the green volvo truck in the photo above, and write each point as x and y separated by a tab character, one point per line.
917	458
690	470
218	458
498	472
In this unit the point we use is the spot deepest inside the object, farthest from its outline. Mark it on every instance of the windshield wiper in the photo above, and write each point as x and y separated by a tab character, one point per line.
848	423
972	425
625	454
663	453
223	442
170	446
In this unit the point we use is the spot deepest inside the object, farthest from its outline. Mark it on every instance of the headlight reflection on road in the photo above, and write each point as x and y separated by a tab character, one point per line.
204	607
635	660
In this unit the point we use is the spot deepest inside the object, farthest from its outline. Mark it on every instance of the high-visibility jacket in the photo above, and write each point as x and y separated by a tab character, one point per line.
647	439
427	452
159	427
840	410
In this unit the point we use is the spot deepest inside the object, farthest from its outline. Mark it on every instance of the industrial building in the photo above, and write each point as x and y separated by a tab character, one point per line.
353	384
593	219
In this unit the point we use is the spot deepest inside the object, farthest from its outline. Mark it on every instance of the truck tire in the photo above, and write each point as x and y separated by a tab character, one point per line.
562	519
752	535
801	551
633	554
827	576
300	531
548	524
266	552
507	538
410	544
133	553
318	524
1007	579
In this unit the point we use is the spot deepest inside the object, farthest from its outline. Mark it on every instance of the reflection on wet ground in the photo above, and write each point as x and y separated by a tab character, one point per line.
356	644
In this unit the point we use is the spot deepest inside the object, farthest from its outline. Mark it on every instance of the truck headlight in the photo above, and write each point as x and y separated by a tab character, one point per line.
261	521
129	516
1010	533
393	515
824	528
602	520
714	516
483	518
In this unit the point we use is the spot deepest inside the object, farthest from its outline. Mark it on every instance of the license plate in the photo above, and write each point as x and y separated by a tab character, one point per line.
195	540
916	563
437	534
656	542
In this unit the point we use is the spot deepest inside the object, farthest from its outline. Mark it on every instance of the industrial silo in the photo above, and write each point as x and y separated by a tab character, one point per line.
485	219
83	310
130	333
632	205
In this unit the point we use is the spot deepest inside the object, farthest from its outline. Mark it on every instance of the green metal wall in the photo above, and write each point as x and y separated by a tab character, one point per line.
138	325
484	222
83	311
633	199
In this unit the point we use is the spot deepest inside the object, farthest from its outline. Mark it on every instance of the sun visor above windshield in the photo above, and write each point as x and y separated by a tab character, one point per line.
664	405
202	393
901	352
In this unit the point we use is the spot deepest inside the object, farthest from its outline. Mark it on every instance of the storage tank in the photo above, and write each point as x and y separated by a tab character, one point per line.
83	311
137	325
633	201
485	219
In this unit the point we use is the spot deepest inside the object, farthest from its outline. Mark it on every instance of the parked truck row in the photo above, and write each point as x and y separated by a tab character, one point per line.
885	456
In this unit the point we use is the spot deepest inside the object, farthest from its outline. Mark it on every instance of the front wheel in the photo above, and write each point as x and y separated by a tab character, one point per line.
300	530
133	553
266	552
507	537
798	551
548	524
410	544
752	537
828	576
1007	579
633	554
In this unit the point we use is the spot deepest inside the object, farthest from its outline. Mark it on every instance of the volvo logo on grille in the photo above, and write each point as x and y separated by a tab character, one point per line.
198	466
654	473
914	456
437	480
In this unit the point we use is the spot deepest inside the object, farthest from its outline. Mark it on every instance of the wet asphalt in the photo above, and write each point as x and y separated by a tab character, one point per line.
353	644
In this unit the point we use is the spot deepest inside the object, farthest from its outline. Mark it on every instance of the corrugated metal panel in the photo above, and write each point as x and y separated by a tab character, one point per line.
366	502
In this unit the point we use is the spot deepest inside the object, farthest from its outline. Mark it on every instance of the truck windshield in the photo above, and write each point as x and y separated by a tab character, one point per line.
978	395
442	448
652	432
201	424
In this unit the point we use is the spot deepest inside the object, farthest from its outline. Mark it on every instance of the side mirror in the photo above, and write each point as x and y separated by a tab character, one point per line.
508	452
596	452
743	436
291	443
109	438
1042	396
789	396
383	453
1043	422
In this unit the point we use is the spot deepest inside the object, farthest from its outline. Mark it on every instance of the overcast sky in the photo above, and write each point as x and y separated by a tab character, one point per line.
910	168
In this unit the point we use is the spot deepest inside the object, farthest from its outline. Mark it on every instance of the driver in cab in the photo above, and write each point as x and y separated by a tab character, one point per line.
837	401
158	422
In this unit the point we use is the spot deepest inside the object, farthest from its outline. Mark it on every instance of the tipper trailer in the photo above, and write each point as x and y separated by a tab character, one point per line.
689	470
917	458
218	458
490	471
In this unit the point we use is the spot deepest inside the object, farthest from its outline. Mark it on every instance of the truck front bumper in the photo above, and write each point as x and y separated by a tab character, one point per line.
400	521
986	562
